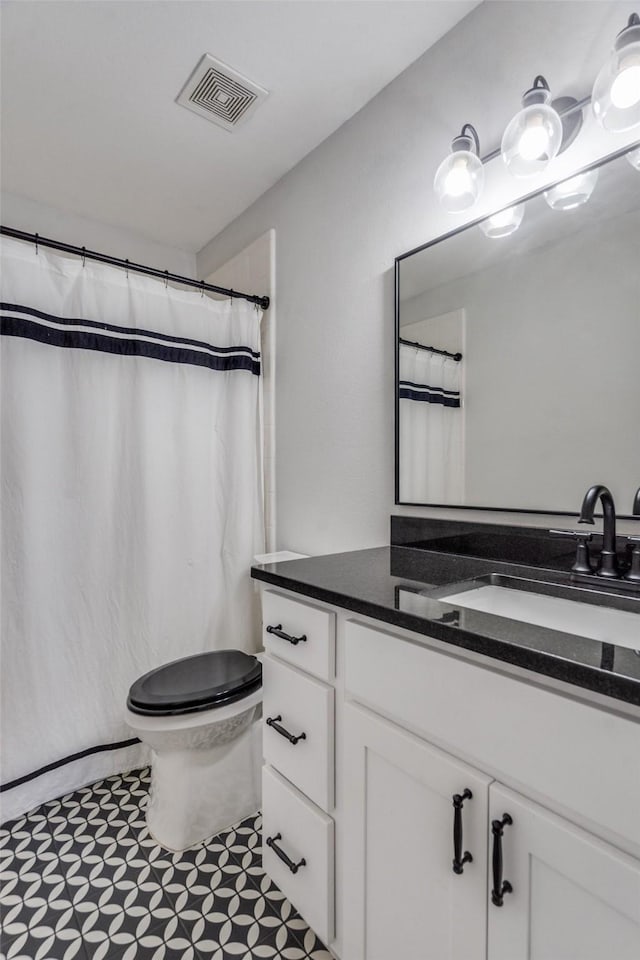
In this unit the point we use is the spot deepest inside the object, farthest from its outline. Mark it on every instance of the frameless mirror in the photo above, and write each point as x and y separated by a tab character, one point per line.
518	352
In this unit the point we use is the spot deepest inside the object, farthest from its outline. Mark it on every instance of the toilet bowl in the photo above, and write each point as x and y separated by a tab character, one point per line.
200	715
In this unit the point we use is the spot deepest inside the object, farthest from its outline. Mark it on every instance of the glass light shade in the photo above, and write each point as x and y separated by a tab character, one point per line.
634	158
572	193
459	180
532	139
504	223
616	93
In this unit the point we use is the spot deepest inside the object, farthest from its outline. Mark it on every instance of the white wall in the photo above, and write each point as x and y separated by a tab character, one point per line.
34	217
360	199
444	331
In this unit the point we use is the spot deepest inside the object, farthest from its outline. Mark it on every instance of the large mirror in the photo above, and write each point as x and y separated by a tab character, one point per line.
518	352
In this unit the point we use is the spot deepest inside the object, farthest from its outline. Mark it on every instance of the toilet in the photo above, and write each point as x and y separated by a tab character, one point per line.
197	715
201	717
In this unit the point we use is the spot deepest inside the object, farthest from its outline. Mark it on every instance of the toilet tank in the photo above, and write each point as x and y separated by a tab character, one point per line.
278	556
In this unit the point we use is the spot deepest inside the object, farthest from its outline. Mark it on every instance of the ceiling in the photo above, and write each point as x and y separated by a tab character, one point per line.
89	119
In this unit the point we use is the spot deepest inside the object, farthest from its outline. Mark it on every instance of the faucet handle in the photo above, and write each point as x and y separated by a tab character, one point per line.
633	548
576	534
582	563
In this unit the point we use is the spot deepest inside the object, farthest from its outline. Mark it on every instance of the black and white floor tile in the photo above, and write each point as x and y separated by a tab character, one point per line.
81	877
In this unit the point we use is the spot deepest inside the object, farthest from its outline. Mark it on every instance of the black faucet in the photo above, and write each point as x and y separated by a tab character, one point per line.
608	557
633	546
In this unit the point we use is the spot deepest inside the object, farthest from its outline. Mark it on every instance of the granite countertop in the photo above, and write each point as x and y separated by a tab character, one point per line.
401	585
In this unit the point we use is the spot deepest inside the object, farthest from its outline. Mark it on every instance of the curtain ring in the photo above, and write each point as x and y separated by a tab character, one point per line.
37	251
84	256
166	279
127	268
202	290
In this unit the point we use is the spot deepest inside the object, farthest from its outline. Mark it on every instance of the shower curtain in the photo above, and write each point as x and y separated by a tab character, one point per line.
431	427
131	502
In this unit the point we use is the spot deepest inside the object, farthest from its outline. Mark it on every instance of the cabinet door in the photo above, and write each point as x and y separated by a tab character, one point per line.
573	897
402	898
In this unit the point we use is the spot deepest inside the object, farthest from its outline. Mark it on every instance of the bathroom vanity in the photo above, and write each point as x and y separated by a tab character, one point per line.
445	782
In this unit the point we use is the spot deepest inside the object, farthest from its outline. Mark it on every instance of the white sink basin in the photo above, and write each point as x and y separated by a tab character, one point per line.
601	623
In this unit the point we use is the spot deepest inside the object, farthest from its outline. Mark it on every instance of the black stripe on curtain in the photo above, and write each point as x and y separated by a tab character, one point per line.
170	350
426	394
16	308
101	748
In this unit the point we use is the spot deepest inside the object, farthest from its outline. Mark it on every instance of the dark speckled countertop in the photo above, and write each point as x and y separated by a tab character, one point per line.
401	585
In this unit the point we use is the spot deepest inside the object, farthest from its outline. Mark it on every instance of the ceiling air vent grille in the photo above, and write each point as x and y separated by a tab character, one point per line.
219	94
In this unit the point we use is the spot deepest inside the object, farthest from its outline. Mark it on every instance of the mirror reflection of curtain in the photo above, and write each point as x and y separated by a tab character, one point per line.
431	427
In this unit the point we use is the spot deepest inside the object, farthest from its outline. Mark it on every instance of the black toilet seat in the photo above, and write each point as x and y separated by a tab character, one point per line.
201	682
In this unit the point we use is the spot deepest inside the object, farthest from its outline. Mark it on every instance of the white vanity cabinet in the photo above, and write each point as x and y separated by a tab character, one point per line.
568	894
412	751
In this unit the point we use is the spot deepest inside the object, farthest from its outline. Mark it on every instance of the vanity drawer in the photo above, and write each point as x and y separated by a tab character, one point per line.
311	631
301	832
299	705
554	749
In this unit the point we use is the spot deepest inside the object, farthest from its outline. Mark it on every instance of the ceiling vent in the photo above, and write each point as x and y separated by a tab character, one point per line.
218	93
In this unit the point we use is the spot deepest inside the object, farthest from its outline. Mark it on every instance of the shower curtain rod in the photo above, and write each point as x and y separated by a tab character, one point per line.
35	238
421	346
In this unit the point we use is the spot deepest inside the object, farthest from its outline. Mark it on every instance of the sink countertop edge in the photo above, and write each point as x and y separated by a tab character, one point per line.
541	663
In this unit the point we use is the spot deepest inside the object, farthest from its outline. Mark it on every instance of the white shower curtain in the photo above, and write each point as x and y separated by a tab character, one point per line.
431	428
131	501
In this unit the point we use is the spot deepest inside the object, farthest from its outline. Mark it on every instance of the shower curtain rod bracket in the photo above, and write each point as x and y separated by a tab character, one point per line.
35	238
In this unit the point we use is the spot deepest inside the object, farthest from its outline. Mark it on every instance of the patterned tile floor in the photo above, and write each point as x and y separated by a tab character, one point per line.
82	877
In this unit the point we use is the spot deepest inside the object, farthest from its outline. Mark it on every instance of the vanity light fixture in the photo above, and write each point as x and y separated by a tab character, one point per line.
534	136
460	177
504	223
634	158
572	193
616	93
544	128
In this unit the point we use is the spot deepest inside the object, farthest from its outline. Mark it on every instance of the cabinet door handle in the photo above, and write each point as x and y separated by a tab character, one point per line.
500	886
273	722
279	852
277	631
459	859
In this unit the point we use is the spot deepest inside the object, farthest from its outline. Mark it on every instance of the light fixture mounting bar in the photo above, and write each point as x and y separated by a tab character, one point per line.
562	113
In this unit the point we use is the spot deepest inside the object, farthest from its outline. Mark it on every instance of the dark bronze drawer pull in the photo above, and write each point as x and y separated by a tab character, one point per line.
279	852
459	859
278	632
273	722
500	887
